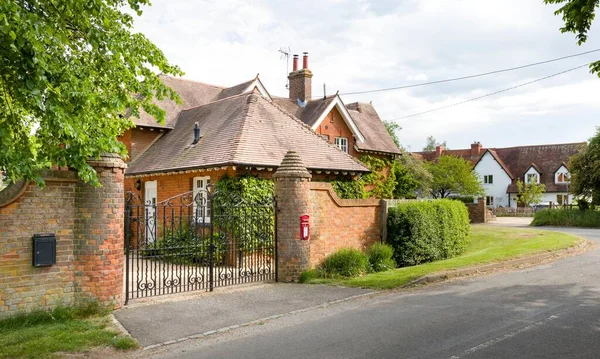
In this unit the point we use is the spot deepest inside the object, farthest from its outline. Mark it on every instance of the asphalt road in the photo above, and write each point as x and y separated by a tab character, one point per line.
549	311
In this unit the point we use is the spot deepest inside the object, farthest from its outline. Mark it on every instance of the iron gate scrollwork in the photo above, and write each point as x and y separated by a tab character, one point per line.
198	240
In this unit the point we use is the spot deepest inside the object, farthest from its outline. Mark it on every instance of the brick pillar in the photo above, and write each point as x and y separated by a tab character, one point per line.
292	188
99	244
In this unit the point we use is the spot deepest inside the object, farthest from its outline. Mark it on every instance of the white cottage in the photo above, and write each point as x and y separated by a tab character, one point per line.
500	168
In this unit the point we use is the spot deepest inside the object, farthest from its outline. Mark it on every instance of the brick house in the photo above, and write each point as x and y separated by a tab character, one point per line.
243	129
499	169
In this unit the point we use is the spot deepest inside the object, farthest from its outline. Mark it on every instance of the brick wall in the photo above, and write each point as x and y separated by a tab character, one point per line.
88	224
340	223
478	211
137	139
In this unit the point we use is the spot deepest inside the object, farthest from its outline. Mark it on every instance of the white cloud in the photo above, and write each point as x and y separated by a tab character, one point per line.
370	44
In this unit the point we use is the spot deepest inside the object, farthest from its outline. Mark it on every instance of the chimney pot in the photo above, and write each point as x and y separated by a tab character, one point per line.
305	61
295	63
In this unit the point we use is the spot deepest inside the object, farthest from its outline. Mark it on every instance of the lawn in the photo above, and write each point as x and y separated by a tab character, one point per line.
45	334
488	245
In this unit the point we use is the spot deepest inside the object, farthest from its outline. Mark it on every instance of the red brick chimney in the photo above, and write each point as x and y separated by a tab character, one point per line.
300	80
476	148
439	149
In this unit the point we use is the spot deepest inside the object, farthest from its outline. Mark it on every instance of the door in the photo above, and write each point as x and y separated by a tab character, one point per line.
201	206
150	195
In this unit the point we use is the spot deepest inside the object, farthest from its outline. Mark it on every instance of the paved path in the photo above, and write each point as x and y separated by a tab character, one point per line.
550	311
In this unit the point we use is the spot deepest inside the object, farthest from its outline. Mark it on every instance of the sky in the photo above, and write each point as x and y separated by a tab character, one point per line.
371	44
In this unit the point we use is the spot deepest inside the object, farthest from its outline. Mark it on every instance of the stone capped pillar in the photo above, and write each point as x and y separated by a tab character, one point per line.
292	189
98	235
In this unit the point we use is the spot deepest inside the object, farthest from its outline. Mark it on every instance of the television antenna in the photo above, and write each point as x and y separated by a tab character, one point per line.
286	52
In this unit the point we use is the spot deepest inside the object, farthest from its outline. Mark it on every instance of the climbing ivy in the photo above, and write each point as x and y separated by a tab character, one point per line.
381	182
349	189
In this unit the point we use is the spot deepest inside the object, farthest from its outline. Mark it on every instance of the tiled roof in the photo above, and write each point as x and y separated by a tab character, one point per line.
370	125
246	129
192	94
546	159
364	115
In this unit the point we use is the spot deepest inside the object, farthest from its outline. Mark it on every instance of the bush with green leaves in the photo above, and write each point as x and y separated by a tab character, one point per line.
426	231
381	257
347	262
565	217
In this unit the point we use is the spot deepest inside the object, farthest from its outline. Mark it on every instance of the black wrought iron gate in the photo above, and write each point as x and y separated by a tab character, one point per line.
197	241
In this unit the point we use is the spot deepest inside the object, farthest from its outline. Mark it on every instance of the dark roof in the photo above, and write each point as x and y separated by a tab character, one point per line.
372	128
364	116
308	114
246	129
546	159
192	94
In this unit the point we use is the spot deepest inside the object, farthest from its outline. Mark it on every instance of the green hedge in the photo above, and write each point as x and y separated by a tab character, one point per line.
426	231
567	218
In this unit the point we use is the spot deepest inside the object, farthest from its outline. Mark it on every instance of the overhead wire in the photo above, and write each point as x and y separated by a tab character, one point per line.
469	76
492	93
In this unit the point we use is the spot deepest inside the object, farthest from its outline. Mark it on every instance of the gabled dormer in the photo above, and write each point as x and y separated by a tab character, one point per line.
532	175
562	175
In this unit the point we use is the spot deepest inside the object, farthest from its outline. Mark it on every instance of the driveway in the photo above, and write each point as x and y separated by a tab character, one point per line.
511	221
549	311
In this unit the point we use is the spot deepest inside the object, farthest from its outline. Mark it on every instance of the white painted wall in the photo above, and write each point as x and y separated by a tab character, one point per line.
546	199
489	166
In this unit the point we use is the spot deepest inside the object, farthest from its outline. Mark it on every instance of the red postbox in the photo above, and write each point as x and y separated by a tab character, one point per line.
304	227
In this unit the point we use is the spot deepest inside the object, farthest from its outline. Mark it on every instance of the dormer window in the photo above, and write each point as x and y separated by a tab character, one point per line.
563	178
532	178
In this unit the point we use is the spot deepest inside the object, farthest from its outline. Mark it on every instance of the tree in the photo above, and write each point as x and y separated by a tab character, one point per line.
530	193
69	71
585	171
412	178
453	175
577	16
392	128
432	143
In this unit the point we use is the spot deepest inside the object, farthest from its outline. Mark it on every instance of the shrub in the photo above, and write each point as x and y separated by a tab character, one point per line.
347	262
565	217
425	231
464	199
381	257
308	275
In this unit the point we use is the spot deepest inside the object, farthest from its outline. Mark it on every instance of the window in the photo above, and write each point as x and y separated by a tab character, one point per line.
488	179
532	178
201	205
489	201
563	178
342	143
562	199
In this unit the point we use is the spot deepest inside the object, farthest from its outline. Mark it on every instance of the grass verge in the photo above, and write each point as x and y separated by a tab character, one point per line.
42	334
488	245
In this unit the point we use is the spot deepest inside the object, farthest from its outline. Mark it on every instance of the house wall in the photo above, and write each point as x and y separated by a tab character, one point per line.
137	139
88	225
334	126
546	198
340	223
489	166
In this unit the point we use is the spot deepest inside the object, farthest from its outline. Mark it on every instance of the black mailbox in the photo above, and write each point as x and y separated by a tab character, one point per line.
44	249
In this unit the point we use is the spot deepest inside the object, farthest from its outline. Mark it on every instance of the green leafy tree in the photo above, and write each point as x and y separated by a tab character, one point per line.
585	171
530	193
412	178
431	143
69	71
578	16
453	175
393	128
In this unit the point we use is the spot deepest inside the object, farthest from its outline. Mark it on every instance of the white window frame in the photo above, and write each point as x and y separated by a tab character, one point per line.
489	201
342	143
528	175
564	175
488	179
200	186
